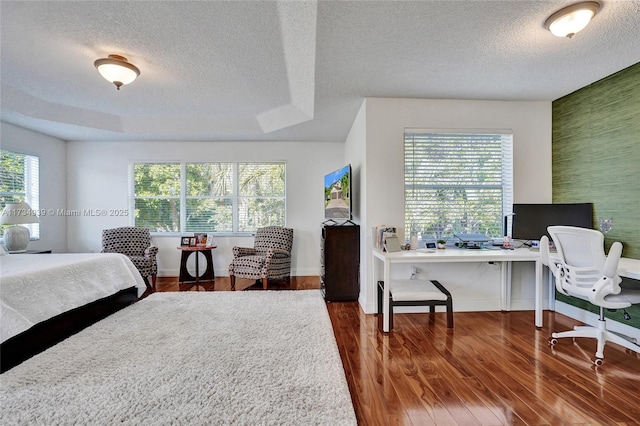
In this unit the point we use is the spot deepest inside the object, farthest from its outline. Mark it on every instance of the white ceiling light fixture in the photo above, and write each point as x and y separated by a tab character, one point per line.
571	19
117	70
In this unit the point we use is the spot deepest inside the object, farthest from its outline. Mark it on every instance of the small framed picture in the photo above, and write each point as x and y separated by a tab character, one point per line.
193	241
201	238
184	241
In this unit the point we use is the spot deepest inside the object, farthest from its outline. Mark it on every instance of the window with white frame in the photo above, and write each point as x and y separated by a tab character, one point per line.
20	182
225	198
457	182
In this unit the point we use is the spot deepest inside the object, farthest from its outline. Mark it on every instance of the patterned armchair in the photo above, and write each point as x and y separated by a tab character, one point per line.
135	243
270	257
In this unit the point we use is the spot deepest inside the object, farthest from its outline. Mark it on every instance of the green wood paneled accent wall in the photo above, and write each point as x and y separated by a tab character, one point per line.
596	158
596	153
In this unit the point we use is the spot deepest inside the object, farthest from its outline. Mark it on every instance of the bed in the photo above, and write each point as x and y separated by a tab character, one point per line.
44	298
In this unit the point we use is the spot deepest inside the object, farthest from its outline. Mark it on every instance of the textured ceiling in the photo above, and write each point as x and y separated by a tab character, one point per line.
290	70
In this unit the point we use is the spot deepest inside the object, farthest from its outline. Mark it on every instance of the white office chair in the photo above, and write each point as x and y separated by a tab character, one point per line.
582	270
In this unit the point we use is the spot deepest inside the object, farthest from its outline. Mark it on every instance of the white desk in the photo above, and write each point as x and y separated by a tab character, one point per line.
455	255
629	268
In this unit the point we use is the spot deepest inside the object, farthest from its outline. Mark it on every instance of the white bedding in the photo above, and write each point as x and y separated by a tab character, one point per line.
36	287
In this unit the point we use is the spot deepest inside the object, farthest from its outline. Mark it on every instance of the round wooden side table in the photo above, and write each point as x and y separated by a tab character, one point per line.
207	275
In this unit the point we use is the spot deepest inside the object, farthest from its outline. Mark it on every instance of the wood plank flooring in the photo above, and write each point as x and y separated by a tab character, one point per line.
223	283
493	368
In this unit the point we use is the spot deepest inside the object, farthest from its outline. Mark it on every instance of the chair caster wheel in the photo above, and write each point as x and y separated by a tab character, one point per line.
598	362
553	341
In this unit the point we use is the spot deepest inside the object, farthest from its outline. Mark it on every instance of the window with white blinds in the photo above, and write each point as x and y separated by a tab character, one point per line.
208	197
20	182
261	195
457	182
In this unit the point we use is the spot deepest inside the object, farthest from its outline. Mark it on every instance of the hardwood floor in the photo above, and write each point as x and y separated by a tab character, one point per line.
223	284
492	369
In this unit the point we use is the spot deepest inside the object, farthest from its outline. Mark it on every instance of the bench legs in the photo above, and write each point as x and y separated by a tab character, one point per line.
431	303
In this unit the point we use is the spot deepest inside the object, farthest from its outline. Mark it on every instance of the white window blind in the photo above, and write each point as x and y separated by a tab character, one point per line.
261	200
456	182
208	197
156	196
20	182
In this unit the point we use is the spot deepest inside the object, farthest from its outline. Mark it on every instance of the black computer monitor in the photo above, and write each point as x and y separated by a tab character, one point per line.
530	221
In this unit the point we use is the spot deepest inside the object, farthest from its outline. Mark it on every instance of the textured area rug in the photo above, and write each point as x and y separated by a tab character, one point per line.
208	358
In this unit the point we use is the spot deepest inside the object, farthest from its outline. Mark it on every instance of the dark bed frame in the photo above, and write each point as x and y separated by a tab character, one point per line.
43	335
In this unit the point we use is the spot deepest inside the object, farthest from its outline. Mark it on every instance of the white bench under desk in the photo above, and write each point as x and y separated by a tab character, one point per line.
416	293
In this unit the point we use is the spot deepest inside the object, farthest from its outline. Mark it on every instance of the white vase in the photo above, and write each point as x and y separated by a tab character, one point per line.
16	239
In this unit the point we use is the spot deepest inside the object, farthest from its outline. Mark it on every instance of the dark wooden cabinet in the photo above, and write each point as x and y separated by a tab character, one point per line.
340	262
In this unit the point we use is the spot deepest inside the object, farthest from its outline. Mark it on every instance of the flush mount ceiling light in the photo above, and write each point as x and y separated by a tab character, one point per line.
117	70
571	19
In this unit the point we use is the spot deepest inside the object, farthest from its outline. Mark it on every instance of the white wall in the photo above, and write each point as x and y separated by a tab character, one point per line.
356	154
98	179
53	190
386	120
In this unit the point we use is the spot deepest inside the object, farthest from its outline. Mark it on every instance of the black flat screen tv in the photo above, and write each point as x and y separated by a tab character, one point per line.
337	194
530	221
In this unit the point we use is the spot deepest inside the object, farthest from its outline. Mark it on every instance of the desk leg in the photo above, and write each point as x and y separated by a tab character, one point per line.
385	301
505	286
538	313
508	283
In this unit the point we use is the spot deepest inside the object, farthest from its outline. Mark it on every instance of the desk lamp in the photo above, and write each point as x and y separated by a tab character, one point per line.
16	238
